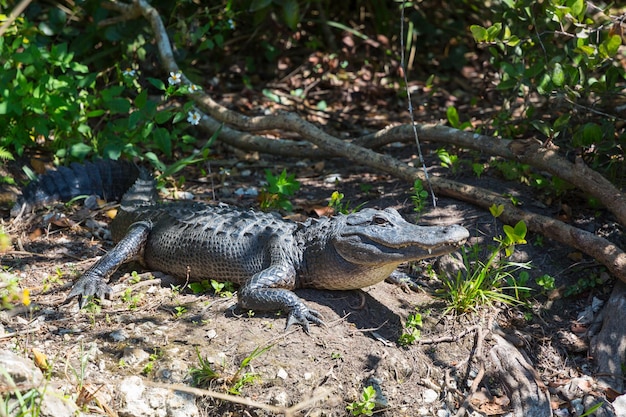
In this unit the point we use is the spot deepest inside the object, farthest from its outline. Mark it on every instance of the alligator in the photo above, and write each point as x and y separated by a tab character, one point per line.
264	254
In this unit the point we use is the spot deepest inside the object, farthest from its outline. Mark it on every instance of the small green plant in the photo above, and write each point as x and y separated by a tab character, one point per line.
454	120
450	161
485	281
131	299
278	190
158	354
478	169
364	407
179	311
583	284
27	403
546	282
519	285
412	330
223	289
336	204
419	196
204	373
134	278
92	309
238	380
199	287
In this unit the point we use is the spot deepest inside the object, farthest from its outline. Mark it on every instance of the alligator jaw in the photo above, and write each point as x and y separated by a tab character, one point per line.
374	237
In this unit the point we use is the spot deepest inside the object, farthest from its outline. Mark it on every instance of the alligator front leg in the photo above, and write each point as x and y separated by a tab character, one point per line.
94	281
267	291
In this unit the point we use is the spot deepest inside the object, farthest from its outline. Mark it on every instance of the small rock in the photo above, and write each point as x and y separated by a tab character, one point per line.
211	334
443	413
278	397
21	371
619	404
577	405
380	400
118	335
332	178
137	400
134	356
430	395
282	374
307	376
247	192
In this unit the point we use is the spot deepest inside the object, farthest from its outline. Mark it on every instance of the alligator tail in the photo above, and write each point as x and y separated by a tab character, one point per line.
108	179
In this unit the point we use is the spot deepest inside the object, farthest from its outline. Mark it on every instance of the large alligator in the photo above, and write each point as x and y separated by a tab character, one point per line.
264	254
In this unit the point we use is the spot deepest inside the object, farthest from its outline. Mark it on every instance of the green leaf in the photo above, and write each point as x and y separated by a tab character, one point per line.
577	7
141	99
507	84
118	105
592	133
259	4
585	49
544	86
157	83
95	113
542	126
479	33
291	13
453	117
558	76
608	48
496	211
163	116
155	161
80	150
520	231
494	31
163	141
513	41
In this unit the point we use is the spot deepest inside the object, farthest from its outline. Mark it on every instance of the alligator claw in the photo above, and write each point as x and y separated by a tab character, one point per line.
303	315
88	287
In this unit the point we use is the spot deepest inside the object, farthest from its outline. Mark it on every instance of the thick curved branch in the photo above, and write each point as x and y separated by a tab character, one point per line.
602	250
526	151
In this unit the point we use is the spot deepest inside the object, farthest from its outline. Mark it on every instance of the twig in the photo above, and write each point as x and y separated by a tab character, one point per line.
287	412
480	338
447	339
20	332
14	14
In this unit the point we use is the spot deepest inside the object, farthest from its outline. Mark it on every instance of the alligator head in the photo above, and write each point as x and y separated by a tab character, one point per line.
377	237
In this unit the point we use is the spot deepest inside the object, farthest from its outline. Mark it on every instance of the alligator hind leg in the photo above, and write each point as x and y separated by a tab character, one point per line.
93	283
266	291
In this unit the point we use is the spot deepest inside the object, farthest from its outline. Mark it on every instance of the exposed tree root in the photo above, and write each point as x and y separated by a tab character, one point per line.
609	346
527	393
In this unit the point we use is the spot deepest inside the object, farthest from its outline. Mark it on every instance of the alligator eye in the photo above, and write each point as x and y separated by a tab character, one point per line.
380	220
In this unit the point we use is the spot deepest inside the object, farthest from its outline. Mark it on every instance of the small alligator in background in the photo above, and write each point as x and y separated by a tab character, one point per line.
264	254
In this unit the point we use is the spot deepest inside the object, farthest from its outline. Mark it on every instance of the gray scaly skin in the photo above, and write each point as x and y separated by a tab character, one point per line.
262	253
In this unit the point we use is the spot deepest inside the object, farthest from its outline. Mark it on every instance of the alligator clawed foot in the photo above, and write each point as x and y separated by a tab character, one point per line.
303	316
89	287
